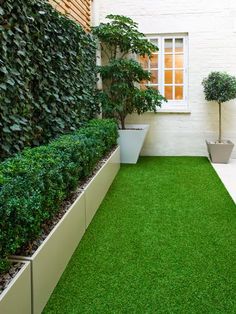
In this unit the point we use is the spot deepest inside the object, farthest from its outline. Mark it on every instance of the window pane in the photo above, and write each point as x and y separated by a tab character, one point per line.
169	77
168	45
179	77
179	92
154	61
179	45
143	61
154	78
169	92
179	61
156	87
144	82
168	61
154	42
143	87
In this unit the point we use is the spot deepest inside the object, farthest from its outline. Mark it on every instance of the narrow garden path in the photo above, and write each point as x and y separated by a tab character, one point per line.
163	241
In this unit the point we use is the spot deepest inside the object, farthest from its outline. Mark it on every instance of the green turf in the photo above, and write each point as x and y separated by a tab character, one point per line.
163	241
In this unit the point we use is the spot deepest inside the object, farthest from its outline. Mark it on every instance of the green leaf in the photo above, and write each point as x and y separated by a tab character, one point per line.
119	39
3	86
48	71
10	81
6	130
3	70
15	127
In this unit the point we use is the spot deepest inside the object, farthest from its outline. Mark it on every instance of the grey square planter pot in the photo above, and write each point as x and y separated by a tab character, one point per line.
220	152
16	298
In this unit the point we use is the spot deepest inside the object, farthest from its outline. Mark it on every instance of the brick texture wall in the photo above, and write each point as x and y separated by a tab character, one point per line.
211	28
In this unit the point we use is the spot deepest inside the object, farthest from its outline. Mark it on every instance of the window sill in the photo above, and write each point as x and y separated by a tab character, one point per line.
174	108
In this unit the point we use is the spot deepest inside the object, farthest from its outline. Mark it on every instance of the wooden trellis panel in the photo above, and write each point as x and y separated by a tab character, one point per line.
78	10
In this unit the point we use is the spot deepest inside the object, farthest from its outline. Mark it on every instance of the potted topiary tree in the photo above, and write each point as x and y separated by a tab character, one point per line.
220	87
120	42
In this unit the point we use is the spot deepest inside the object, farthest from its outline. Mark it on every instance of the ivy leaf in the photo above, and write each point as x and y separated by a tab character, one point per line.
6	130
4	70
10	82
3	86
46	60
15	127
6	147
15	72
21	53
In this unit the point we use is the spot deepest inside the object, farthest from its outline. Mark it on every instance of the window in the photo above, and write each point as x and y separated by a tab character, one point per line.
168	68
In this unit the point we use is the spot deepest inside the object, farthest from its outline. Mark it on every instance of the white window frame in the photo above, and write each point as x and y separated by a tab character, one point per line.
172	105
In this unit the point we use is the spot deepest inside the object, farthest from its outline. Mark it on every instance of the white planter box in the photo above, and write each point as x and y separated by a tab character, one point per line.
131	142
53	255
16	298
97	188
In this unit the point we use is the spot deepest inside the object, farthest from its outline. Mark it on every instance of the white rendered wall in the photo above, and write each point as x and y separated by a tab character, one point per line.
211	28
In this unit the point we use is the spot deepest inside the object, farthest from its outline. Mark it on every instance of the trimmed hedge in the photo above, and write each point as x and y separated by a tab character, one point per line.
34	183
47	75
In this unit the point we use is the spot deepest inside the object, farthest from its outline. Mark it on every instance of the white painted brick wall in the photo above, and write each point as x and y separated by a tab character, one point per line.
211	26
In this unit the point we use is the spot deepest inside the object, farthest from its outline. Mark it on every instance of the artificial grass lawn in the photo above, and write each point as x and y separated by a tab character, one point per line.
163	241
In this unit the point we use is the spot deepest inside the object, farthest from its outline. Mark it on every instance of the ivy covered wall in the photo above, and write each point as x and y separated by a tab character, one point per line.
47	75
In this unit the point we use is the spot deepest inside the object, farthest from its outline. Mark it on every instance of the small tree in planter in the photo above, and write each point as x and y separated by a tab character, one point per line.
220	87
121	75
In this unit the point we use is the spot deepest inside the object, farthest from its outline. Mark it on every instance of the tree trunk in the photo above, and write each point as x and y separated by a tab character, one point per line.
220	134
122	122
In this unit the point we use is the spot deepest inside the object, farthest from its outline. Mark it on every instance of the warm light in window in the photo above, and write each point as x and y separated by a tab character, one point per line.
154	77
169	92
143	61
179	92
143	82
143	87
179	77
179	61
154	61
169	77
168	61
167	67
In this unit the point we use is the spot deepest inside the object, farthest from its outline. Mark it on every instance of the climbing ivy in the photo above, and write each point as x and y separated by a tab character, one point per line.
47	75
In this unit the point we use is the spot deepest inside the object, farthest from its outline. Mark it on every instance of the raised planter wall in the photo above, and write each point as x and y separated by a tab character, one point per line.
97	188
16	298
53	255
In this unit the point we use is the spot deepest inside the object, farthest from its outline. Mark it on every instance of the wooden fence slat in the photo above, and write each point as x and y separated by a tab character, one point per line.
78	10
82	4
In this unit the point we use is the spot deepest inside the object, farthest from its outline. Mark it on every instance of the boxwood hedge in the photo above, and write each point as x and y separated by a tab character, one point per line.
34	183
47	75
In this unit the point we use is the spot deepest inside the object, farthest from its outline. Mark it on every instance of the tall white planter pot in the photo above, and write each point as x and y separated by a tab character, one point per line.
131	142
16	298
